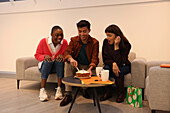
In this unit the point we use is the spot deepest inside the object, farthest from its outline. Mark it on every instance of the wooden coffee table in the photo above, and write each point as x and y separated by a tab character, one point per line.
76	82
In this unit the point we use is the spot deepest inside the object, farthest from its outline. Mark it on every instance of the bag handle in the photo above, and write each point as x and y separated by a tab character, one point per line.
132	91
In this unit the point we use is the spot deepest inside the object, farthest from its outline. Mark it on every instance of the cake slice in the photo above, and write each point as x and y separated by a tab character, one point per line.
82	73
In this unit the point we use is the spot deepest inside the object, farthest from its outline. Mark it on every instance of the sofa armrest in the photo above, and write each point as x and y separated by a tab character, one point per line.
138	72
154	63
159	88
22	64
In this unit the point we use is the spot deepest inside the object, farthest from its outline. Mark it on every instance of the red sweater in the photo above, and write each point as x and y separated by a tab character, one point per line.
43	50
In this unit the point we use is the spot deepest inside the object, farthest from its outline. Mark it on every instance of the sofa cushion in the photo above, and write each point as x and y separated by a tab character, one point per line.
33	73
127	79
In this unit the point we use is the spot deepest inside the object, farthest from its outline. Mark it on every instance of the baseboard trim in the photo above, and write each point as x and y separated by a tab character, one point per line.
7	72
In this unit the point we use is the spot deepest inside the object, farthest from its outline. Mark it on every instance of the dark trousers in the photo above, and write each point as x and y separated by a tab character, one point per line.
123	71
118	80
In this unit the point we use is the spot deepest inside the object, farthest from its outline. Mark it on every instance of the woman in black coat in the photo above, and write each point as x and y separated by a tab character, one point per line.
115	52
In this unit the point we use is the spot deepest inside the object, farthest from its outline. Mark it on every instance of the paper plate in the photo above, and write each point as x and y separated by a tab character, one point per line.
82	77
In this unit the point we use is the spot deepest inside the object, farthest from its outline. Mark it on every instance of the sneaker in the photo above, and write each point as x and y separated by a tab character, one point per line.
58	95
43	95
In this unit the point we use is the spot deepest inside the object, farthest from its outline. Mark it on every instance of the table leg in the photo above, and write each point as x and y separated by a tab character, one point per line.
94	99
97	100
77	89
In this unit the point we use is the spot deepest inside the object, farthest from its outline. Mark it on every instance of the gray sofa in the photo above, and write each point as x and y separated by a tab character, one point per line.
27	69
158	86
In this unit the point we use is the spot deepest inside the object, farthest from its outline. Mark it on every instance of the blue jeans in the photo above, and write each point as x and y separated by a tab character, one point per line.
123	71
51	68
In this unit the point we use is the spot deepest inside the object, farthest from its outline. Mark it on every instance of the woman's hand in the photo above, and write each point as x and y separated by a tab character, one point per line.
117	42
115	69
73	62
48	58
60	58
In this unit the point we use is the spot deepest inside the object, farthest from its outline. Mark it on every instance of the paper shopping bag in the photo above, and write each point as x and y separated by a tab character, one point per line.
134	96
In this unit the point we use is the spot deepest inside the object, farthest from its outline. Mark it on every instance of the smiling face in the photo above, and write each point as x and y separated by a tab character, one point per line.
57	36
110	37
83	33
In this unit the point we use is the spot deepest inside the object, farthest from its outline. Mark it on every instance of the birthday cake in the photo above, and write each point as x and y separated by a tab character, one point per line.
82	73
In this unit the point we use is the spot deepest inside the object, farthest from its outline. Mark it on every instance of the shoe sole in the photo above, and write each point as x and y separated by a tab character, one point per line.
43	100
58	98
65	104
105	98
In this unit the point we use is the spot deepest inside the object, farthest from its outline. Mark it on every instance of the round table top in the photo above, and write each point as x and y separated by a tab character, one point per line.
77	82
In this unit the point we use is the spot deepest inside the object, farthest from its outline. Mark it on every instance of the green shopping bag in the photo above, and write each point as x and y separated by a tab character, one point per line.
134	96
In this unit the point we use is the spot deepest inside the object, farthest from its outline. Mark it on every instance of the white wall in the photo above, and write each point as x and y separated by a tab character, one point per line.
146	25
41	5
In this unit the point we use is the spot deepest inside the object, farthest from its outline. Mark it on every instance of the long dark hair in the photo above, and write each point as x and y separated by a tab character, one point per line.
117	31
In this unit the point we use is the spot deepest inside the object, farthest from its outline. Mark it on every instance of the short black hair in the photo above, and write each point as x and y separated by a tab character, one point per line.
55	27
83	23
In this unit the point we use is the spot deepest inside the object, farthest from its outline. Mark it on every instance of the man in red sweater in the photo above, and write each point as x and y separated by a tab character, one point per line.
49	53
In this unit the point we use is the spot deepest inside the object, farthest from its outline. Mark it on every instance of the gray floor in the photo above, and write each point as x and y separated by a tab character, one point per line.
25	100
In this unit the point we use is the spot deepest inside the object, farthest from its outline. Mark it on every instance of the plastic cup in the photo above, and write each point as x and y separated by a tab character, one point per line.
105	75
98	71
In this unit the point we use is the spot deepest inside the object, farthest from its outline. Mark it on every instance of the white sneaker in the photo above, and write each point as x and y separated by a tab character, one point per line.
58	95
43	95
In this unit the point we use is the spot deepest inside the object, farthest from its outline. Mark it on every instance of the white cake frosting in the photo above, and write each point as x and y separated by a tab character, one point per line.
82	71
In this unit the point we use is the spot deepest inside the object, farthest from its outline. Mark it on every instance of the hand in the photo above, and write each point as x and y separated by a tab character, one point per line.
89	70
73	62
115	69
117	41
60	57
48	58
